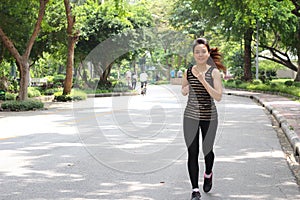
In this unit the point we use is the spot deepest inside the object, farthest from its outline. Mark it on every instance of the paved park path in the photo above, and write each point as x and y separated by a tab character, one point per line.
132	148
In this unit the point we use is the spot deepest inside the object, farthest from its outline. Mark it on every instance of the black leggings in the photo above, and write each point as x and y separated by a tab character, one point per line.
191	136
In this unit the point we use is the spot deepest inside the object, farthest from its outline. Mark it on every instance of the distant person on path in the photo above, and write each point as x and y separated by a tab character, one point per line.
172	73
179	74
157	77
143	79
202	82
128	78
133	80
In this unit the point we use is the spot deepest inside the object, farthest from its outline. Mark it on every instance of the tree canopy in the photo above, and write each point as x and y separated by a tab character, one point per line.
42	41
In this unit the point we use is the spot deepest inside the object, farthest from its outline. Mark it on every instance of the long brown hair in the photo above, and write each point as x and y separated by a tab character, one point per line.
214	53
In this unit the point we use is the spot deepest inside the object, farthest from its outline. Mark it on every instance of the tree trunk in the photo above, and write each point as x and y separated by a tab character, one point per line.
134	66
105	74
69	67
179	61
168	66
72	38
24	79
23	61
297	78
247	55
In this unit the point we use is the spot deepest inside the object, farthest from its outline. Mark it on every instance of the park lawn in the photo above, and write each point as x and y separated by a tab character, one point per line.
281	80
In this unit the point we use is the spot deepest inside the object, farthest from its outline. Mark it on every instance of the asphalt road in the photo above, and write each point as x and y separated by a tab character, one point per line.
132	148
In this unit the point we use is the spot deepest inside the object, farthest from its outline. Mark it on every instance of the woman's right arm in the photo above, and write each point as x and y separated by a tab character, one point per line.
185	85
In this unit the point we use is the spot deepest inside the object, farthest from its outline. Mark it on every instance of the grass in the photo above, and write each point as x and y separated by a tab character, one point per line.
76	95
276	86
281	80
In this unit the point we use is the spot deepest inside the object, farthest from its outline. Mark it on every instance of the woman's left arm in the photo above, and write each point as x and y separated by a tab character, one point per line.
216	91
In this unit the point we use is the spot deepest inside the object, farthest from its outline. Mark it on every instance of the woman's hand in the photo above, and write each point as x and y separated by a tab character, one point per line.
199	75
185	90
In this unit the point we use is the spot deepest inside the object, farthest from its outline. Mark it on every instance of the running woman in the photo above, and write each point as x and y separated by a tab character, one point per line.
202	83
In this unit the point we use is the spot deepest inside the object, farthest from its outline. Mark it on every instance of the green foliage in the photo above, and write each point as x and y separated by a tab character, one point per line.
76	95
10	96
278	27
288	83
103	21
51	91
276	87
2	95
13	86
62	98
50	63
235	62
33	92
297	84
187	18
222	22
14	12
162	82
50	79
22	105
5	68
267	75
273	85
230	80
257	82
267	65
79	83
238	82
100	91
58	80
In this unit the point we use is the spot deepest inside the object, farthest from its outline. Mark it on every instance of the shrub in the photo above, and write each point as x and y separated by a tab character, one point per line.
33	92
78	95
74	96
238	82
10	96
102	91
257	82
50	79
63	98
273	85
78	83
22	105
297	84
58	80
2	95
14	85
51	91
162	82
230	81
288	83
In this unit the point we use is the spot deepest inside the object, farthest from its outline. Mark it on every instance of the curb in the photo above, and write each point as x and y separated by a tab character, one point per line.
283	124
112	94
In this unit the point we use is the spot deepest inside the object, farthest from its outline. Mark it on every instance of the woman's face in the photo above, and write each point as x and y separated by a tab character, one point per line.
201	54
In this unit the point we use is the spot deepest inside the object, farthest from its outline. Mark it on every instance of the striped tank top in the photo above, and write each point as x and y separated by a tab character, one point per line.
200	104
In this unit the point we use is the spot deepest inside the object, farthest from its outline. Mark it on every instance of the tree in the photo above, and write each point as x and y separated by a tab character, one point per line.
233	19
279	30
73	36
282	35
296	10
184	17
23	60
107	23
50	49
